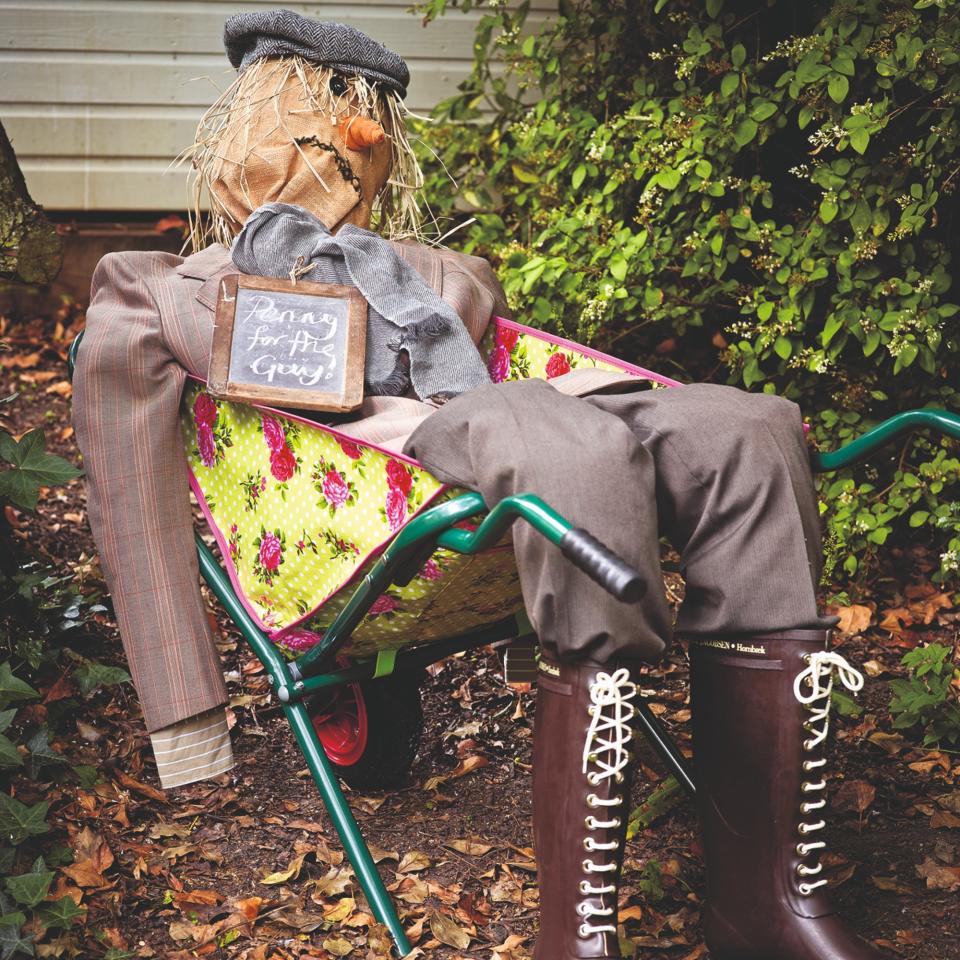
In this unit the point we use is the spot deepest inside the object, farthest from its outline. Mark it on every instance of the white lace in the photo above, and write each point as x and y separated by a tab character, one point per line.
808	688
607	748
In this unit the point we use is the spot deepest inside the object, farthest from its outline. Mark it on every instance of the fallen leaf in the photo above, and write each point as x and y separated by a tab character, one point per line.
152	792
448	932
282	876
854	796
413	861
338	946
853	619
939	877
473	848
61	389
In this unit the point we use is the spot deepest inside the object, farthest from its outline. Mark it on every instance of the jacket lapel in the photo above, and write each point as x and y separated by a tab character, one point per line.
209	265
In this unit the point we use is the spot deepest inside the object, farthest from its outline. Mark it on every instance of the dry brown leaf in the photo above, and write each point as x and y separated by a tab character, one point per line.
306	825
896	619
853	619
472	848
413	861
339	911
854	796
282	876
145	789
338	946
335	881
61	389
448	931
939	877
942	818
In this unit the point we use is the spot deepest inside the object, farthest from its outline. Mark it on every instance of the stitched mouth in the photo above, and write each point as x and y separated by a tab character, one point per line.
343	164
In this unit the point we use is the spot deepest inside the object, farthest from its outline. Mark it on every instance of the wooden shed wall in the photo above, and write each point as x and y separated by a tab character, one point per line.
98	96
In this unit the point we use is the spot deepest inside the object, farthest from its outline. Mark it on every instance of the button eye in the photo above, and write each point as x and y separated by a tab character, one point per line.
338	86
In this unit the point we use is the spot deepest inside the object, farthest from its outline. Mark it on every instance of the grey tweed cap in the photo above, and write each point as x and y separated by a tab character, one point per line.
277	33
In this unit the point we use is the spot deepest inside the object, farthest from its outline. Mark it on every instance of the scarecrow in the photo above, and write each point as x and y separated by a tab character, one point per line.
300	158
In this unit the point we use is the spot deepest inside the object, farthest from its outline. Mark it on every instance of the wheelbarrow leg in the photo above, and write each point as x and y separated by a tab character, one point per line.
346	826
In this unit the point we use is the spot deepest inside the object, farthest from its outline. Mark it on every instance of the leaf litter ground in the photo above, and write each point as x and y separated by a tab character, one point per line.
248	866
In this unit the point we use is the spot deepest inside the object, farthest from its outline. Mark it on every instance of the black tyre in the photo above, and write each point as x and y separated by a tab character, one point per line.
371	730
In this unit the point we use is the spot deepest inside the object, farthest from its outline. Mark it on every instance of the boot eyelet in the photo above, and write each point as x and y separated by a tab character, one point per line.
808	658
587	866
616	823
593	779
808	745
584	887
802	827
808	766
802	850
593	801
583	930
804	889
583	909
588	844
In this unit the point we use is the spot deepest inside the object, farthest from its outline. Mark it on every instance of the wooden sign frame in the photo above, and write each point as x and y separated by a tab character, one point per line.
305	398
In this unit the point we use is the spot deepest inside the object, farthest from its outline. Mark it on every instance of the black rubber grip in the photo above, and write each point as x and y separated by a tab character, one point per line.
603	565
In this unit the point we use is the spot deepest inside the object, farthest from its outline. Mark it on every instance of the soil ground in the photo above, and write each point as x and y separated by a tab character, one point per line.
227	836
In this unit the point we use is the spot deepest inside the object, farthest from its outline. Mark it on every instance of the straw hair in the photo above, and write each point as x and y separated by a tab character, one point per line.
266	101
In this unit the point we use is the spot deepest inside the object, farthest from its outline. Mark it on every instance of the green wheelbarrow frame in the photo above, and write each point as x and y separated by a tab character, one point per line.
415	542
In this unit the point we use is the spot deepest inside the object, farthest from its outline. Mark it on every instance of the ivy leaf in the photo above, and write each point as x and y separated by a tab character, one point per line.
6	718
18	821
746	130
92	675
41	753
32	469
9	755
60	913
29	889
12	944
13	688
838	87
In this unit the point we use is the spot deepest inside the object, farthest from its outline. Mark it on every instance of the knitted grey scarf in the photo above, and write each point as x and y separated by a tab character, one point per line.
404	313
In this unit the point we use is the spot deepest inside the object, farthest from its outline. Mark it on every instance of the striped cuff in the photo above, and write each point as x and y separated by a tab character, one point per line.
193	749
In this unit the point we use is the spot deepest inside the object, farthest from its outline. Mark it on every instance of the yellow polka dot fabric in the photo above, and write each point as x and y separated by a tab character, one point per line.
300	510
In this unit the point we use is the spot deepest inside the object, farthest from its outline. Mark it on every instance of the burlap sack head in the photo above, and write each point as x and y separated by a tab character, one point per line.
275	135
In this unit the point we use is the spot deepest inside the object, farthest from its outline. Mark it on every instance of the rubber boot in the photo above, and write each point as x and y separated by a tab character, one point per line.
760	720
582	769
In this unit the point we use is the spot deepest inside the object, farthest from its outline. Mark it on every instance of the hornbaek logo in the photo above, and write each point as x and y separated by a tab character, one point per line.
549	668
734	646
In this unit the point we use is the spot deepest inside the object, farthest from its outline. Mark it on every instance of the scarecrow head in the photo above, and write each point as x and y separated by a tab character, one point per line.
315	118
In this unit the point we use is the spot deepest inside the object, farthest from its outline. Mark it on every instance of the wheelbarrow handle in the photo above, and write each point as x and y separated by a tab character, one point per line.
601	564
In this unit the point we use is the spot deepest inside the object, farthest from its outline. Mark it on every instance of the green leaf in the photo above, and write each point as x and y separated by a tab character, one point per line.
529	45
765	311
783	348
919	518
579	175
745	131
838	87
30	888
861	218
859	140
618	267
18	821
729	83
12	944
668	178
828	209
41	753
524	175
714	7
13	688
6	718
61	913
844	65
32	469
93	675
9	755
762	109
738	55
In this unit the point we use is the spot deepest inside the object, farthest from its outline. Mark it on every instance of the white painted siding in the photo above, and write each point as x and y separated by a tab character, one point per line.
98	96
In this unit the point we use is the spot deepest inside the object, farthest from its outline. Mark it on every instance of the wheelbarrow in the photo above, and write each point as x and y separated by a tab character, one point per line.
348	569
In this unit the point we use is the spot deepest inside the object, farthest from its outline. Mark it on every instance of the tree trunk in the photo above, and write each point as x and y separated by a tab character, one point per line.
30	247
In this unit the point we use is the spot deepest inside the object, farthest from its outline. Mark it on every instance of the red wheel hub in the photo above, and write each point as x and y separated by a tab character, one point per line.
341	726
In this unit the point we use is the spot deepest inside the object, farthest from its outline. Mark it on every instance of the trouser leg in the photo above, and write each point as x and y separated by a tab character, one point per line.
127	386
526	437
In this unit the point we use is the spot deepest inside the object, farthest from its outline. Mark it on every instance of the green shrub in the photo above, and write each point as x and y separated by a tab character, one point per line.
929	697
759	192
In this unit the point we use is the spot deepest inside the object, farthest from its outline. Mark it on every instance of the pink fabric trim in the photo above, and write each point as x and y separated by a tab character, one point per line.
587	352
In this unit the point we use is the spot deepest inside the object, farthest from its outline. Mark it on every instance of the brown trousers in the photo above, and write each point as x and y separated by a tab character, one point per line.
724	474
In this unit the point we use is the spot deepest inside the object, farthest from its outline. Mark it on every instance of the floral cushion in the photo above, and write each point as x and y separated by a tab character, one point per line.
299	511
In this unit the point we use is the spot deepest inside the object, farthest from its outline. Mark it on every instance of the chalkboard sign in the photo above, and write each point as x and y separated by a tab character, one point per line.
288	344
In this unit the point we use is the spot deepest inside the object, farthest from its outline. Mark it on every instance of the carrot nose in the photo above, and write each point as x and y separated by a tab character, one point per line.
359	133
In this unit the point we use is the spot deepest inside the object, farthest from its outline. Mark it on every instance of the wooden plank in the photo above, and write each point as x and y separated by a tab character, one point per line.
145	79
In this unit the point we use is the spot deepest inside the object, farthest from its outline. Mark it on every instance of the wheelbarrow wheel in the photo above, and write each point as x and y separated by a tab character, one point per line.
370	730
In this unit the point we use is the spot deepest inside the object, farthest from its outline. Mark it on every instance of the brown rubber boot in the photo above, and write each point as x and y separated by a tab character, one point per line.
760	719
582	766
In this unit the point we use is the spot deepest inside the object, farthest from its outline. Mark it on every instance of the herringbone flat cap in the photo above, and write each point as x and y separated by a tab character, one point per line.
277	33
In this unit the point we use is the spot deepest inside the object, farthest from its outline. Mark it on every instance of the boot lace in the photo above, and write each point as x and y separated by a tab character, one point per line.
812	688
607	750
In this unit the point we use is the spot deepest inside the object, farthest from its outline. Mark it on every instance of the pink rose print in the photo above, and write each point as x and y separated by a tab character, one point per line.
299	640
431	570
350	449
283	464
498	365
204	410
271	551
335	489
507	338
396	508
273	433
206	445
557	365
383	604
398	477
